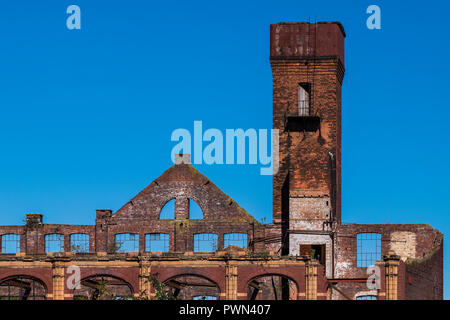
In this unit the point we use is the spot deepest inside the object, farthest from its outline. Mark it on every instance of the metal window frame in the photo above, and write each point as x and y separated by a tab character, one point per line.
366	258
165	239
242	237
200	238
84	240
129	238
50	239
6	238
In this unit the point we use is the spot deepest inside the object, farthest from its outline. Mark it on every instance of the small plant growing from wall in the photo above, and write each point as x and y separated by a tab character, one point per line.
102	291
114	247
162	291
32	223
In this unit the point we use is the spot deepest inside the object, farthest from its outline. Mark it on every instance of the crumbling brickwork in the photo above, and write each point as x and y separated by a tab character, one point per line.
306	253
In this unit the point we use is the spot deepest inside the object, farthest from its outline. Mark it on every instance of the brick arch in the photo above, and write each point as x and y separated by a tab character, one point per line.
248	273
129	276
183	192
296	288
198	275
22	275
126	283
33	278
42	275
214	274
278	274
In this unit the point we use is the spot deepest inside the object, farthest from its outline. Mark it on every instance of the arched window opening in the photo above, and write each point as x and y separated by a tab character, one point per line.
191	287
22	288
168	211
272	287
127	242
79	242
102	287
205	242
368	249
235	239
54	242
157	242
10	243
195	212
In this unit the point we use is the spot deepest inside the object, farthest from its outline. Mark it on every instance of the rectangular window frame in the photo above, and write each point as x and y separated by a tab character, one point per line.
83	239
236	238
367	257
10	240
129	239
156	237
202	238
51	240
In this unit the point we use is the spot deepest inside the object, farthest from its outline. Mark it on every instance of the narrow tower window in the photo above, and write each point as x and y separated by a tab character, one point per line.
303	99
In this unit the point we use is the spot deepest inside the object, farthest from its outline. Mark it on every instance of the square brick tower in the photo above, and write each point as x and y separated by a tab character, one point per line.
307	63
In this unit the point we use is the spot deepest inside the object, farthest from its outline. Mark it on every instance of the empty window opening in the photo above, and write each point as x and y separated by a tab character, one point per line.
79	243
168	211
366	298
127	242
368	249
22	288
272	287
235	239
195	212
304	90
54	242
10	243
315	251
190	287
205	242
204	298
157	242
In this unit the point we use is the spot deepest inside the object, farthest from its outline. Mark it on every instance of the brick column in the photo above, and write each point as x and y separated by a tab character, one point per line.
311	280
58	280
392	262
144	283
231	283
181	208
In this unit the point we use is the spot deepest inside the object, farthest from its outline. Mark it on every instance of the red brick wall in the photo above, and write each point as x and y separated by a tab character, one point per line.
297	58
424	277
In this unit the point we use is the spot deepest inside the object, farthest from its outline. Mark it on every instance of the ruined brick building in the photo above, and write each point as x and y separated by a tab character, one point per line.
183	231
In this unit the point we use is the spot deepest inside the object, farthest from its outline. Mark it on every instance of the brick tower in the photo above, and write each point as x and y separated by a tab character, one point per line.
308	68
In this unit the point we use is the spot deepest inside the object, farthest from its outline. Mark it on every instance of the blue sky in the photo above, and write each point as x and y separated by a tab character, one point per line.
87	115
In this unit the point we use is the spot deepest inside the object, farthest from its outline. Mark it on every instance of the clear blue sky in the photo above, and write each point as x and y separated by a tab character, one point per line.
86	116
